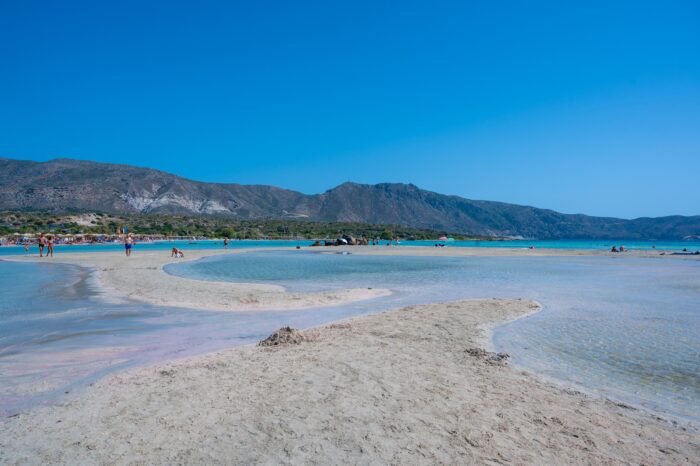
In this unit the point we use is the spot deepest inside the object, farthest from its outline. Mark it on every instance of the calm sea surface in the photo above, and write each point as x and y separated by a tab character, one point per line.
603	245
627	327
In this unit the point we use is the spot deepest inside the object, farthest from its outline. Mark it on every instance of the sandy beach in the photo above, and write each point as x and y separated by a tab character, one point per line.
409	386
141	278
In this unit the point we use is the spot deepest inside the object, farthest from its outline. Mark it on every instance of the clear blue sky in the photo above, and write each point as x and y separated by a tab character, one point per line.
585	107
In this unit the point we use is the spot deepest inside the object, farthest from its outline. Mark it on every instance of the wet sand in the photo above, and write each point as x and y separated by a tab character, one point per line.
402	387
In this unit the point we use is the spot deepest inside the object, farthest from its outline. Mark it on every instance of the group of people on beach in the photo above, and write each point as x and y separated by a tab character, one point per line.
45	243
615	249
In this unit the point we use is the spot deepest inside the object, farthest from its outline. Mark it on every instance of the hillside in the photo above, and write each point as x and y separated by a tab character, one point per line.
72	185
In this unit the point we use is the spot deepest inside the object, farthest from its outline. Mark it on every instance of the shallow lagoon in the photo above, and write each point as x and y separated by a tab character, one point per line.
57	332
628	327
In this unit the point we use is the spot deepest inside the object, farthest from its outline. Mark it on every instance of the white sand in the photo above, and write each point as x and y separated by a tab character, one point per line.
391	388
141	278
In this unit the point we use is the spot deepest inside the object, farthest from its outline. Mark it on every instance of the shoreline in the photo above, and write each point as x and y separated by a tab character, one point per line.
567	385
488	329
141	277
401	374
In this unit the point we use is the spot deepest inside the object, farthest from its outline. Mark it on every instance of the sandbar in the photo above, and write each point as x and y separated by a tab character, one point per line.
141	278
408	386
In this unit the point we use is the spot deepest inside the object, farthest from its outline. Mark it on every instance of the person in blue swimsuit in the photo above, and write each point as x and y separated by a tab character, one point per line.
128	244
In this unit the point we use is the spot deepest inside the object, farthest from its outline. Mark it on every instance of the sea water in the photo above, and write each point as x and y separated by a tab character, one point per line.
626	327
15	250
58	334
601	245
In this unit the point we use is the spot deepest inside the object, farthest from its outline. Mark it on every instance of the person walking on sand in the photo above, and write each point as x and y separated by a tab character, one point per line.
49	245
41	242
128	244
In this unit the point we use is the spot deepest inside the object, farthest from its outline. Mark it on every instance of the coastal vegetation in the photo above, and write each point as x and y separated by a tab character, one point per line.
96	223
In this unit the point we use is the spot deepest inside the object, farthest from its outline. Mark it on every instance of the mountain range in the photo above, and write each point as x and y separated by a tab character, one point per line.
64	185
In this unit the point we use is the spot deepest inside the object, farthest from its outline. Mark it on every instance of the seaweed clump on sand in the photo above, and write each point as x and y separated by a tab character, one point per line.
488	356
283	337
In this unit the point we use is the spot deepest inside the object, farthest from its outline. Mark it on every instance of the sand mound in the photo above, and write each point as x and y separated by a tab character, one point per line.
284	336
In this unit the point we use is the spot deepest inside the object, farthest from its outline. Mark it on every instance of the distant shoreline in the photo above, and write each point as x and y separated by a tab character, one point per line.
141	277
564	244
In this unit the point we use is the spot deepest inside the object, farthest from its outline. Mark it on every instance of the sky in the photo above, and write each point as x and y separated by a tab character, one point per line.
581	107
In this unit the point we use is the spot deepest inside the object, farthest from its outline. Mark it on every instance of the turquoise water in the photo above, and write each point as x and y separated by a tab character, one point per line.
603	245
629	328
159	246
57	334
626	327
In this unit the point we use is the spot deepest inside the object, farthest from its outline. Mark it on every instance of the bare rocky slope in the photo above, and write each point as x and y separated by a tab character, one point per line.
65	185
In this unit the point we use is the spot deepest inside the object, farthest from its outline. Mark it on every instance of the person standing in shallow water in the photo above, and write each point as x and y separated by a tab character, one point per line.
49	244
225	243
128	244
41	242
